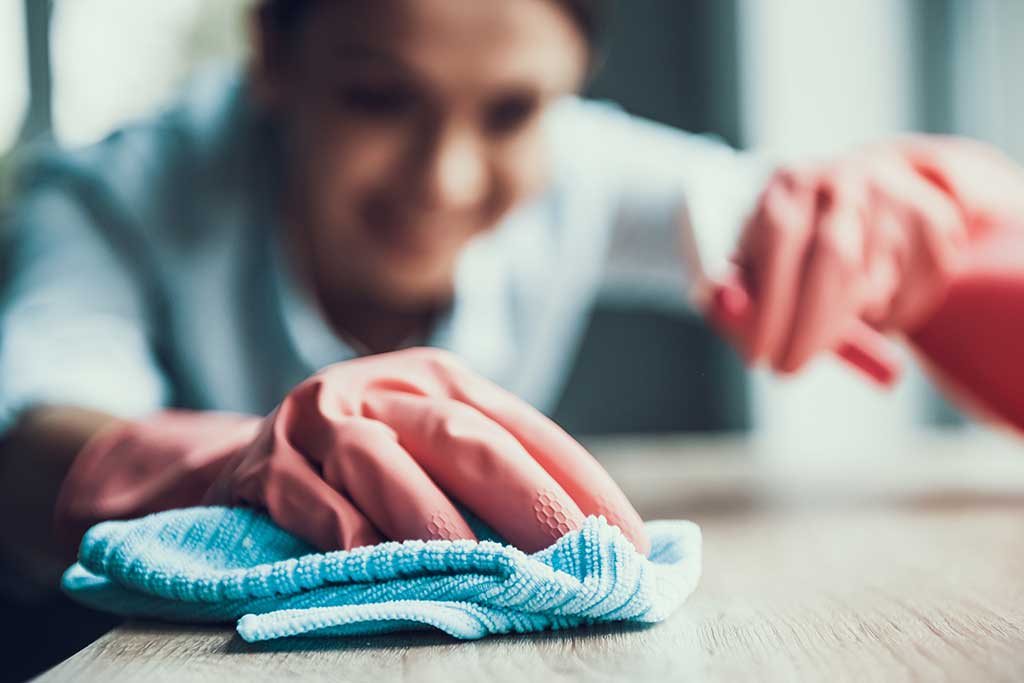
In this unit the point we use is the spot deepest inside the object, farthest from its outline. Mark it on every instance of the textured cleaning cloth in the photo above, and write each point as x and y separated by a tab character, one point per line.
214	564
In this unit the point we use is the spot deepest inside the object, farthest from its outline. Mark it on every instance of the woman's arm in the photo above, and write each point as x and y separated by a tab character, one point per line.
35	455
75	350
647	173
364	450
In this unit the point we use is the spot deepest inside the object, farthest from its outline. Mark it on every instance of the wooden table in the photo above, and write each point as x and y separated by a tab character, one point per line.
900	561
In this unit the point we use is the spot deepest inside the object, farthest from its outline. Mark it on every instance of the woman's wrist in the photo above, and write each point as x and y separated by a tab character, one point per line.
35	457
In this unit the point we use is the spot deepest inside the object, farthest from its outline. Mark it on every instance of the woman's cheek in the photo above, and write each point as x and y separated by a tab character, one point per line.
351	164
524	172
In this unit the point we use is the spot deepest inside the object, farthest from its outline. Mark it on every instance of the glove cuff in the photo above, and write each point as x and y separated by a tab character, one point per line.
133	468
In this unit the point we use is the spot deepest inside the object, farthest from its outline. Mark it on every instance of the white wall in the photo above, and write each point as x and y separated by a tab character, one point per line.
820	75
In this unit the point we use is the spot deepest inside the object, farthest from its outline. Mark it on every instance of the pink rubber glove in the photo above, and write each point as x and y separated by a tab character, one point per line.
366	450
134	468
875	238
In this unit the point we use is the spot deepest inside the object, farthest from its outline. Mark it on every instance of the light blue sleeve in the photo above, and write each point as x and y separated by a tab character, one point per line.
74	325
652	171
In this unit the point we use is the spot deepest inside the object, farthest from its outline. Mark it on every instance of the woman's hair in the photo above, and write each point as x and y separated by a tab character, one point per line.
285	15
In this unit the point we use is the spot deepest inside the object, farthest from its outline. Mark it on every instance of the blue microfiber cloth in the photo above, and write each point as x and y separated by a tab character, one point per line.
215	564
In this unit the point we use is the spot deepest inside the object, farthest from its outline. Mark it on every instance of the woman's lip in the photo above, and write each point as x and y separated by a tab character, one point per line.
407	241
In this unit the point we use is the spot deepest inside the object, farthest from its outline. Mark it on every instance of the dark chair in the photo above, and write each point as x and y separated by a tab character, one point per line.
641	369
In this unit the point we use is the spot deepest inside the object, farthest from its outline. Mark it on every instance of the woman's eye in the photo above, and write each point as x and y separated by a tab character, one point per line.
510	114
377	101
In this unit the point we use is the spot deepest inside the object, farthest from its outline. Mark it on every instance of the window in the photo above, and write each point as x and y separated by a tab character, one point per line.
986	91
116	60
13	72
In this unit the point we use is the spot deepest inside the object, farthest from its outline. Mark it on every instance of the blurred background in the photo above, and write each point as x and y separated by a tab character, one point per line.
793	77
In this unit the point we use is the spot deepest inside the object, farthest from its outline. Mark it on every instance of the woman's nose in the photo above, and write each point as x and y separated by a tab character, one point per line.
453	175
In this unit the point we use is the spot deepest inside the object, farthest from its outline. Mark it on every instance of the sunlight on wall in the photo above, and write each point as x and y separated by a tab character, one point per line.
819	75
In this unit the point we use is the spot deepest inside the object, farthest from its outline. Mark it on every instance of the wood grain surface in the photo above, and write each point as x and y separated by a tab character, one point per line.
890	562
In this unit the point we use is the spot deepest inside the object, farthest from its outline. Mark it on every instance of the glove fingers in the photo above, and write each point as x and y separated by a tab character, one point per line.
562	458
367	465
826	298
300	501
937	232
773	257
480	465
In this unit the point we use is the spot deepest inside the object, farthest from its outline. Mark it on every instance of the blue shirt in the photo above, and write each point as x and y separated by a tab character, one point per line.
145	272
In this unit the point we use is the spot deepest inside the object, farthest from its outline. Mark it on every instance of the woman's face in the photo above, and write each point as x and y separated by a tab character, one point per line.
410	127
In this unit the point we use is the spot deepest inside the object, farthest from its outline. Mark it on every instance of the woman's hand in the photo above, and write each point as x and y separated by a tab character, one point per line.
876	237
380	448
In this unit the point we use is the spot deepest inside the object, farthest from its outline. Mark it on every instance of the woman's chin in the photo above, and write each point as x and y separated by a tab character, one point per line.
412	292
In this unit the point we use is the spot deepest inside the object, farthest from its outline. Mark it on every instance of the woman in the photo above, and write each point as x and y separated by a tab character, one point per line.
415	172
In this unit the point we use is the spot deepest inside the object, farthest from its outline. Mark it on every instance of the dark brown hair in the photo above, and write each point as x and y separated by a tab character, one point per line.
285	15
